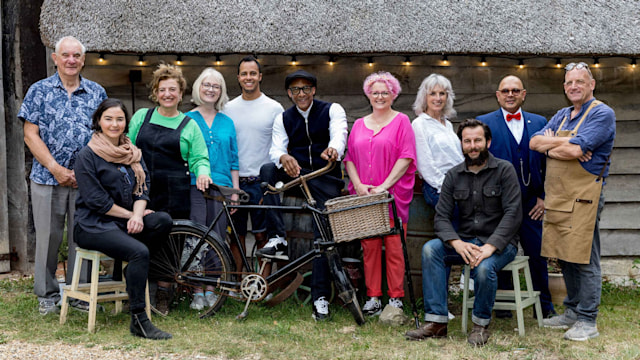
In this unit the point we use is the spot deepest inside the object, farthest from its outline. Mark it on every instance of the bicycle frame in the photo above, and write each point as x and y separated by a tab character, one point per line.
318	249
325	244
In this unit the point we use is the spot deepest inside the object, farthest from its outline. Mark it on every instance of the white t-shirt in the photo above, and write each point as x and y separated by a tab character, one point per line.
253	120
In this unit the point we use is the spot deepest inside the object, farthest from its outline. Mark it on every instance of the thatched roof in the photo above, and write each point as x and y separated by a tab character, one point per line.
542	27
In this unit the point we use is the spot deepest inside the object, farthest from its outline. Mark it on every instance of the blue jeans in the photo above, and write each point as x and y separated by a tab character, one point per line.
437	259
431	197
584	281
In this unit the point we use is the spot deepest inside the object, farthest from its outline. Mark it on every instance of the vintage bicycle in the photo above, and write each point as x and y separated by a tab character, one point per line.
197	256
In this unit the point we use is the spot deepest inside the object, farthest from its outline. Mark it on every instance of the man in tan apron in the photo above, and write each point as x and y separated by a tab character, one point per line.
578	142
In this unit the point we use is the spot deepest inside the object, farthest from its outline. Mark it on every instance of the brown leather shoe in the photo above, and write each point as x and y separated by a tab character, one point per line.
429	329
479	335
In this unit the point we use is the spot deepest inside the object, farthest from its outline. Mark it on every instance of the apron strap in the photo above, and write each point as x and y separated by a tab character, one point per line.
147	117
594	103
603	168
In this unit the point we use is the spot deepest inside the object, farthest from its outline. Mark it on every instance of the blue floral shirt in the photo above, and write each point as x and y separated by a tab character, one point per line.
64	122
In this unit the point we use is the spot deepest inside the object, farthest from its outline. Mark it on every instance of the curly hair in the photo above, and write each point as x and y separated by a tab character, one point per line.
164	72
383	77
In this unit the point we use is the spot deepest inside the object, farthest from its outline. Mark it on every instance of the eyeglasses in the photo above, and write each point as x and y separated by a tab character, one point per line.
208	86
295	90
575	82
515	92
384	94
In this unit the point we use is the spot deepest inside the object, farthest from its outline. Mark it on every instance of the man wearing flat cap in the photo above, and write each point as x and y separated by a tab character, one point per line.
305	137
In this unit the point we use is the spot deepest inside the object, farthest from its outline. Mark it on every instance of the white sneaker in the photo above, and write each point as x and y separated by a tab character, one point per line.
396	303
320	309
372	307
48	306
198	302
276	248
581	331
211	298
559	322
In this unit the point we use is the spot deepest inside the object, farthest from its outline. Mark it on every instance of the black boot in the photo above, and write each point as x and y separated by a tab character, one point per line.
141	326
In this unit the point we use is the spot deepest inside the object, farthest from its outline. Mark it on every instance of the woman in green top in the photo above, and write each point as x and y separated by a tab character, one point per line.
172	147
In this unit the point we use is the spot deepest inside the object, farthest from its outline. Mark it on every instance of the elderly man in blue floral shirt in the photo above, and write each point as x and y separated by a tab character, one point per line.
57	123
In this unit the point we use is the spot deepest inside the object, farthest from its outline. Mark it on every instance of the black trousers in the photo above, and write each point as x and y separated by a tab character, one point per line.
133	248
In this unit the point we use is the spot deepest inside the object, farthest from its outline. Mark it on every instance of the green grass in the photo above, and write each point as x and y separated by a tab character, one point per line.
288	332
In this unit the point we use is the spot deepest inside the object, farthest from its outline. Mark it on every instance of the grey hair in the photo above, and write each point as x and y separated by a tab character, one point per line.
431	81
195	91
71	38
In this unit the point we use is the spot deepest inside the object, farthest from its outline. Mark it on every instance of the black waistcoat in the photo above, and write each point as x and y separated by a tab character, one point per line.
308	139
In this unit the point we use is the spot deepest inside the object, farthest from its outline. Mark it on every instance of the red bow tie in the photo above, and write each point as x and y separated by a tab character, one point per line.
511	116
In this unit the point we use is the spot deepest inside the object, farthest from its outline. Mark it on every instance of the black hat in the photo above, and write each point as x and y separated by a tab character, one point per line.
300	74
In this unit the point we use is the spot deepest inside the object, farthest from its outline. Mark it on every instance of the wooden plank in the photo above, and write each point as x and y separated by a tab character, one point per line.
620	242
620	216
625	161
627	134
622	188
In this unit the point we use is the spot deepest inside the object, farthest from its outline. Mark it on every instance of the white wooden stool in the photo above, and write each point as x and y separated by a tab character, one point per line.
515	299
95	291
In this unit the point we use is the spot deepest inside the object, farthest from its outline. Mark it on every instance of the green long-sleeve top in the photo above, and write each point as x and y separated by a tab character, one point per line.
192	146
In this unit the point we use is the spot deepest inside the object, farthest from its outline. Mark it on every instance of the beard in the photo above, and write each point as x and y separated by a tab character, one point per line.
480	160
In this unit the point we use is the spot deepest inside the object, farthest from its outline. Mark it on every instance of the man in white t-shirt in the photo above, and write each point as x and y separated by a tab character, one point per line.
253	114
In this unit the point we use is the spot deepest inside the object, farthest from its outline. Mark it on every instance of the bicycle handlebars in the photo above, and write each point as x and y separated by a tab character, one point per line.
281	187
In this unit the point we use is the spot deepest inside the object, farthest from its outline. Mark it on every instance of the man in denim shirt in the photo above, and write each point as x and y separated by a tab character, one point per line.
577	141
57	123
487	193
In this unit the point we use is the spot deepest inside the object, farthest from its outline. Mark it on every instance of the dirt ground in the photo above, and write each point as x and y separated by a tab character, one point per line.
28	351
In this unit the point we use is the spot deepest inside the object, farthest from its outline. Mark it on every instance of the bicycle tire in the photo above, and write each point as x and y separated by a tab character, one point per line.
345	290
214	253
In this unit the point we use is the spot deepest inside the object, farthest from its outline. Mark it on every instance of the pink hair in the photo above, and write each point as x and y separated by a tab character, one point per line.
384	77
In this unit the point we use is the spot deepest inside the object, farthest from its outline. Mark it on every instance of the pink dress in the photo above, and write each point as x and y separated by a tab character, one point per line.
375	155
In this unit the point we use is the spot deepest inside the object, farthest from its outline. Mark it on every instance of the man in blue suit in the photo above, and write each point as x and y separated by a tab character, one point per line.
512	128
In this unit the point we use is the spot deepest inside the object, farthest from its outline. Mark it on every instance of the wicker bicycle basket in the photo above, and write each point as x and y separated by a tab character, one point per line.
358	217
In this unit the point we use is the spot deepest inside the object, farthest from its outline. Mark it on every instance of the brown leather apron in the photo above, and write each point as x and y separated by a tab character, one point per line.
571	203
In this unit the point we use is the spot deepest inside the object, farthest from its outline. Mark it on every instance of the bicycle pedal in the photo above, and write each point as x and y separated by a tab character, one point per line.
242	316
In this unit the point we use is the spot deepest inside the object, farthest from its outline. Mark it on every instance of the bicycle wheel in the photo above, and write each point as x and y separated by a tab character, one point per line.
209	258
345	290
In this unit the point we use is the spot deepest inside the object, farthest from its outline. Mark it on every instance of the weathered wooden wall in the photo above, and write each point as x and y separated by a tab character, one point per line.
617	85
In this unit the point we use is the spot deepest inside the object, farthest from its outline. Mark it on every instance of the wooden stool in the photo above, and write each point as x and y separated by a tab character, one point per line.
95	291
515	299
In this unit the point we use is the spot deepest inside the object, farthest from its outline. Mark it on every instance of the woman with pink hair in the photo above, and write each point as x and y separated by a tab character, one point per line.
381	157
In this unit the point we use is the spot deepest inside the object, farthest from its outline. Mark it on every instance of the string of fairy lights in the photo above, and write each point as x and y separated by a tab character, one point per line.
445	59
